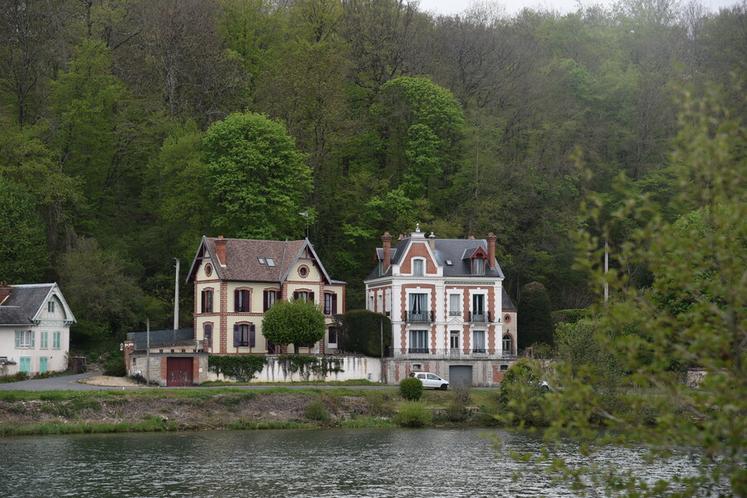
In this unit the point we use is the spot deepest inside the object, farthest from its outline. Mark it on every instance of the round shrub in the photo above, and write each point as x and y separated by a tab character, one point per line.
411	388
413	414
316	411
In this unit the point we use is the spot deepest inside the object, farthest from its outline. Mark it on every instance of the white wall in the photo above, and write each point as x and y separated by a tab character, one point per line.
354	367
56	358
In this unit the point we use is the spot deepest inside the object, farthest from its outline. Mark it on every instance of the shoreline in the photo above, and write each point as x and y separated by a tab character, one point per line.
27	413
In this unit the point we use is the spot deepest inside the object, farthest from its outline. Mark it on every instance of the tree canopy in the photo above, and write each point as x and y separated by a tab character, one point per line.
297	322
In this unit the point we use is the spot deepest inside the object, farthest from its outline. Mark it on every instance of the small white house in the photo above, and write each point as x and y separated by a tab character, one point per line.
34	329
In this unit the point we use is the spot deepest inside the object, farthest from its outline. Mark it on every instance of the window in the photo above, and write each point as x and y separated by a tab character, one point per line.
50	307
332	335
454	339
268	299
56	340
418	307
303	271
478	308
455	305
417	267
207	333
244	335
418	341
478	266
330	303
478	341
432	377
304	296
207	301
208	269
507	345
44	340
270	262
24	339
449	262
241	299
262	261
25	365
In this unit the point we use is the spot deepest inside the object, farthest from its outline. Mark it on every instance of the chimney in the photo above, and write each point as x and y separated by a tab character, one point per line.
4	291
386	241
220	250
432	241
491	250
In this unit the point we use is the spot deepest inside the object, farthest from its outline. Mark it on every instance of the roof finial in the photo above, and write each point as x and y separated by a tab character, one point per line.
417	227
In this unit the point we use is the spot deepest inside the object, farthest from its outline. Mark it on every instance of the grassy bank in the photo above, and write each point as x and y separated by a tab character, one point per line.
157	410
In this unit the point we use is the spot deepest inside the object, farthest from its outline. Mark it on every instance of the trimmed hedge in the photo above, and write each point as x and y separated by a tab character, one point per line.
360	332
411	388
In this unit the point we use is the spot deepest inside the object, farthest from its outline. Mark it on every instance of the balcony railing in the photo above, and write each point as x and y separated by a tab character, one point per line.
421	317
484	317
443	353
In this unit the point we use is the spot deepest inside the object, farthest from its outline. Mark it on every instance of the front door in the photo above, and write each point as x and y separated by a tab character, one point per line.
179	371
43	364
25	365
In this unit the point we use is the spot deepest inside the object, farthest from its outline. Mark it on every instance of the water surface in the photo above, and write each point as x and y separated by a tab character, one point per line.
376	462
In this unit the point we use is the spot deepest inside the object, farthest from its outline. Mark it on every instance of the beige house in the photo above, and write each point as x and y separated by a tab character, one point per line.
237	280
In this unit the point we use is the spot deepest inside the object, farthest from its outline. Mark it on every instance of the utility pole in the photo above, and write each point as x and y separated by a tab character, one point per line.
147	350
381	337
176	302
606	270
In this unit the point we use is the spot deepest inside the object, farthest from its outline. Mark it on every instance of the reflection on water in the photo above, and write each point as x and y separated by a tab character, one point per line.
288	463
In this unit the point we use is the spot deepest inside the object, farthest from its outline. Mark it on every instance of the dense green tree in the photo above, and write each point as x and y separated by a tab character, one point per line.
299	323
535	319
23	252
106	301
258	178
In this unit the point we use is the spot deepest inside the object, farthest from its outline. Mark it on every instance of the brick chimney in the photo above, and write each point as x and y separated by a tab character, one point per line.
220	250
4	291
386	241
432	241
491	250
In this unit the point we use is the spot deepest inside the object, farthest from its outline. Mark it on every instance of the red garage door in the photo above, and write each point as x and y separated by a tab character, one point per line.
178	371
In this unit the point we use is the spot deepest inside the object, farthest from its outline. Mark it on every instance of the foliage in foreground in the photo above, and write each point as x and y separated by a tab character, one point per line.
691	311
413	414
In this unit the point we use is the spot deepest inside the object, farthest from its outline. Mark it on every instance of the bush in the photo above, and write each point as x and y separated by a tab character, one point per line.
457	409
316	411
360	332
521	397
14	378
413	414
114	365
411	388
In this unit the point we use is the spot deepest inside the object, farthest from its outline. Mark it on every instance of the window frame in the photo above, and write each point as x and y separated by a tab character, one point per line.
416	340
25	339
458	310
251	335
475	349
50	306
207	300
266	304
330	308
44	340
242	304
415	263
57	340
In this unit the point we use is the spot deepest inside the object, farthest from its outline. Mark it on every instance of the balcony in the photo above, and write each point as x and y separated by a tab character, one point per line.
422	317
485	317
444	354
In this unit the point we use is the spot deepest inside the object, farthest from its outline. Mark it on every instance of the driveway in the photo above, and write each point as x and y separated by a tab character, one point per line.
57	383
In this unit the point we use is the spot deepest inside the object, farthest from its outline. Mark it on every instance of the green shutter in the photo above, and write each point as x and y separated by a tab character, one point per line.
43	364
18	338
33	338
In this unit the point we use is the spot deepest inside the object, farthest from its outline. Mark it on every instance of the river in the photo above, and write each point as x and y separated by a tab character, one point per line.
319	463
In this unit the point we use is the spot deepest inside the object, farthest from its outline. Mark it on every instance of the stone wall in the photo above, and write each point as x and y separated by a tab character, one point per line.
485	372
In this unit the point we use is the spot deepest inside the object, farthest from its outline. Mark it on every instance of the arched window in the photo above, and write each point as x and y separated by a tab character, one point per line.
508	348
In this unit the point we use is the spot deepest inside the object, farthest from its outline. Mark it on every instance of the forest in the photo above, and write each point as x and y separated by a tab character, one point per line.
124	125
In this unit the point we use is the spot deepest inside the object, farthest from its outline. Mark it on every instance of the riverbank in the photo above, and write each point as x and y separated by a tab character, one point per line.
156	410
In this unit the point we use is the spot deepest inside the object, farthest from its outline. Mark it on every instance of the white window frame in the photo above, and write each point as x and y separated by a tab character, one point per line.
421	261
458	310
25	339
56	340
44	340
50	306
484	348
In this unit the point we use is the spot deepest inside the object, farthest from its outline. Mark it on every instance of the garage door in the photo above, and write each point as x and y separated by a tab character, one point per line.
179	371
460	376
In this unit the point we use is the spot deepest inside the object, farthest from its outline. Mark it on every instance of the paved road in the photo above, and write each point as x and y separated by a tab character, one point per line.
70	383
58	383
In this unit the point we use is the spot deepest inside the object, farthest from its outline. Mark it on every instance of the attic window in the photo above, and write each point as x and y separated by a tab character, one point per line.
449	262
270	262
262	261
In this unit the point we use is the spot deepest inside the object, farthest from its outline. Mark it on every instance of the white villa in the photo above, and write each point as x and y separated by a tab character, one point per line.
35	324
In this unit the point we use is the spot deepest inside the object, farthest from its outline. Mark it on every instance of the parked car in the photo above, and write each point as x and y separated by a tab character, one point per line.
431	380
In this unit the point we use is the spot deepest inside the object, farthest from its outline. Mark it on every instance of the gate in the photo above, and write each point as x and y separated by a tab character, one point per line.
460	376
179	371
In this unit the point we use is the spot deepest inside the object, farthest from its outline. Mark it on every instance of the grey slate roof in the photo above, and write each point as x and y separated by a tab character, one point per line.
23	303
454	250
508	304
161	338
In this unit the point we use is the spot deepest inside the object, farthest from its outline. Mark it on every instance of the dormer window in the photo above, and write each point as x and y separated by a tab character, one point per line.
478	266
418	267
50	307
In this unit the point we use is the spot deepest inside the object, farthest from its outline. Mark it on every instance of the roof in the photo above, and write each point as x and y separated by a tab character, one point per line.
242	263
160	338
507	303
23	303
454	250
